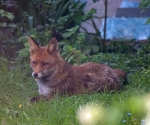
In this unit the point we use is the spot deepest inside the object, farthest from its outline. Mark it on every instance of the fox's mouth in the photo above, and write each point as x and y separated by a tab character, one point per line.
45	73
37	75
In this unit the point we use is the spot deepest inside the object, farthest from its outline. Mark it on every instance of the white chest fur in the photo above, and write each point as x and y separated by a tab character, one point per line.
44	89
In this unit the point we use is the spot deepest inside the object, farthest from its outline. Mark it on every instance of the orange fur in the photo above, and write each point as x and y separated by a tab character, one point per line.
54	75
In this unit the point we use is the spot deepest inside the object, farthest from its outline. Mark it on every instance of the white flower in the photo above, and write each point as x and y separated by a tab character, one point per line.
90	114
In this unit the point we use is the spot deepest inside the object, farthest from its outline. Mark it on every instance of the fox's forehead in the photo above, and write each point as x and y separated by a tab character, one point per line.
42	55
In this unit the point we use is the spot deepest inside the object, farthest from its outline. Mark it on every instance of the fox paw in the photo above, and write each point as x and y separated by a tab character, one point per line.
34	99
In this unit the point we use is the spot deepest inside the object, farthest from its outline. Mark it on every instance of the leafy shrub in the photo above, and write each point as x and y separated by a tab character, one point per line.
145	4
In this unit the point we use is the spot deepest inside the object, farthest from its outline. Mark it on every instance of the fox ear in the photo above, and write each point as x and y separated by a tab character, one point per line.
34	46
52	46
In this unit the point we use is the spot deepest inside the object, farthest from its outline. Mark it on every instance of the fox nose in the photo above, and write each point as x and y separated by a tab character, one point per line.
35	74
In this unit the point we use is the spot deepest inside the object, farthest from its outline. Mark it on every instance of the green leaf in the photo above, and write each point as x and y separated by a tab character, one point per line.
70	31
92	11
148	21
144	3
95	49
89	14
23	53
67	34
10	16
47	33
61	43
62	20
82	56
1	11
81	37
26	45
65	47
87	51
70	48
12	25
73	29
95	58
23	39
3	24
70	58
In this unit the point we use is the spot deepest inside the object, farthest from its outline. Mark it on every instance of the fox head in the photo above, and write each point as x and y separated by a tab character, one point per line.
43	60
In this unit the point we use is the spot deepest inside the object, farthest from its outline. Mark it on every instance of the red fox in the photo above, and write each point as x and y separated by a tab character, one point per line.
56	76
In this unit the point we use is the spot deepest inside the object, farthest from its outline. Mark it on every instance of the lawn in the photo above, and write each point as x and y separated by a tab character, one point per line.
125	107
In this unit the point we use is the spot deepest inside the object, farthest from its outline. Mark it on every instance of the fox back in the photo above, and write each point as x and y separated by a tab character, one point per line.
54	75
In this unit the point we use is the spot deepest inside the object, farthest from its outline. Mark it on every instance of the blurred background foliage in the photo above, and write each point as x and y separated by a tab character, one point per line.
45	19
41	19
145	4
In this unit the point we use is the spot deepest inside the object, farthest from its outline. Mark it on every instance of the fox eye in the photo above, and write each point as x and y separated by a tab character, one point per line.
34	62
45	63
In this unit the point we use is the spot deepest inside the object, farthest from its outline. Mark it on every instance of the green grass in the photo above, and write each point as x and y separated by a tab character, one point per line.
17	87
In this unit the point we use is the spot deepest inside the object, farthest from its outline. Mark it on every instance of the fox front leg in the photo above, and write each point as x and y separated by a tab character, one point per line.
36	99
